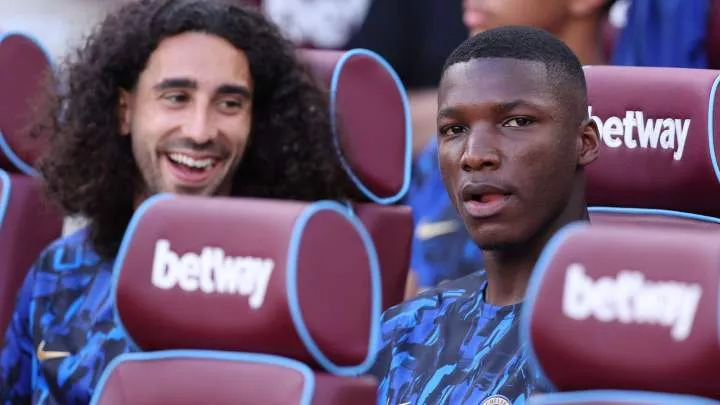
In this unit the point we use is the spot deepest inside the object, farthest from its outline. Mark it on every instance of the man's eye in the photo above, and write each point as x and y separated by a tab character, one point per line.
452	130
518	122
230	104
176	98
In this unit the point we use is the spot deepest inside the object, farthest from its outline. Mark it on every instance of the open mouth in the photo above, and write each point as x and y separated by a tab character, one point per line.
483	201
192	169
486	205
488	198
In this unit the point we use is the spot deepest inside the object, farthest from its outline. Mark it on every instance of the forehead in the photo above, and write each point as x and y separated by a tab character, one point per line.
205	58
496	80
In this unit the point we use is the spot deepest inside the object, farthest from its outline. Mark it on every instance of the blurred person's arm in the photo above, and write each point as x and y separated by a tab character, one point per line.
16	356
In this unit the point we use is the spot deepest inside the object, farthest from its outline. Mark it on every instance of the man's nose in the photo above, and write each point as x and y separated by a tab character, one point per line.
481	151
198	126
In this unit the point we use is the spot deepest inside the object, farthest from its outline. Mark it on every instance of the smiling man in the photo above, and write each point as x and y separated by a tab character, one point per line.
513	140
184	96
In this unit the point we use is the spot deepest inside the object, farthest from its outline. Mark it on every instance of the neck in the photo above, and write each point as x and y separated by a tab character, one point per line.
584	37
509	269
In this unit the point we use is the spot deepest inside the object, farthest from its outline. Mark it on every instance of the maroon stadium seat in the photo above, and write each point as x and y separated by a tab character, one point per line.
371	112
660	146
27	223
213	283
171	377
296	303
617	312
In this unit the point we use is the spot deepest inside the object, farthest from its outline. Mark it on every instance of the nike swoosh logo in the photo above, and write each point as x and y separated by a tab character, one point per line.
429	230
43	355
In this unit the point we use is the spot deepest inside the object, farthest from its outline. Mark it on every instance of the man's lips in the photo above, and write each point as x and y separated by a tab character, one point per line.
477	191
192	168
484	200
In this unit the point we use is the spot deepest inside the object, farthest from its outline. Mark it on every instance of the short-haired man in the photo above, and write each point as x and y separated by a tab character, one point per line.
513	141
442	249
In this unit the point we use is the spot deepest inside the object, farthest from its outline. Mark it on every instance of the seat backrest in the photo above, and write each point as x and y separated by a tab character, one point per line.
371	119
288	292
618	308
27	223
660	145
171	377
25	65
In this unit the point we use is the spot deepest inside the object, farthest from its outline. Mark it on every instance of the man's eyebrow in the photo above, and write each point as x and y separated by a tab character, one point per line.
176	83
503	107
182	83
508	106
235	89
446	113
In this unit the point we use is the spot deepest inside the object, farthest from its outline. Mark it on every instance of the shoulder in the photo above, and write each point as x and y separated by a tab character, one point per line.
434	302
67	254
414	322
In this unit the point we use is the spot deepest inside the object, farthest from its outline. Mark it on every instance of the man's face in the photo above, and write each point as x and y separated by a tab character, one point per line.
190	115
481	15
508	148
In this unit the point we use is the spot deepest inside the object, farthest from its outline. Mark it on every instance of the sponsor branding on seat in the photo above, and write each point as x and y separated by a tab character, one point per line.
630	298
635	131
211	272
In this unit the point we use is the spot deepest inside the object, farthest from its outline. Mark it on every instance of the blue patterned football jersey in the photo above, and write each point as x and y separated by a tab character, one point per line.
448	346
442	248
63	333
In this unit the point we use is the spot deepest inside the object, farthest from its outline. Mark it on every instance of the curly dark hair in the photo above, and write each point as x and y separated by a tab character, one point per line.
89	168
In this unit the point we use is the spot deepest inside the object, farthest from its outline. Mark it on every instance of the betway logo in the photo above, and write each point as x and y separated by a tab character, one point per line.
664	133
212	272
629	298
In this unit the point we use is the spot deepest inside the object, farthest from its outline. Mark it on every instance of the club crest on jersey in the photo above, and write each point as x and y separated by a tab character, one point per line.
496	400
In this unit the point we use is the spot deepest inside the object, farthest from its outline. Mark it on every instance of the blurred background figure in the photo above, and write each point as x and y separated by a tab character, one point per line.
323	24
669	33
578	23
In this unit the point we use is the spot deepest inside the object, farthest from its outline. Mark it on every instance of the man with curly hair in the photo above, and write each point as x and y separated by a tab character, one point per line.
184	96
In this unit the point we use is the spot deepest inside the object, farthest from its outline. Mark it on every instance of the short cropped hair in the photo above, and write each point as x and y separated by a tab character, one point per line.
564	69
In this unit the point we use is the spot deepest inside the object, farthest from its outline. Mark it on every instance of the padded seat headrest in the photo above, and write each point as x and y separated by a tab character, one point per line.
24	65
630	308
660	135
371	119
248	275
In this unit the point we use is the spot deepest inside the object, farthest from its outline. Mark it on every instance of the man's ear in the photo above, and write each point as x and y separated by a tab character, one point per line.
588	143
585	8
124	112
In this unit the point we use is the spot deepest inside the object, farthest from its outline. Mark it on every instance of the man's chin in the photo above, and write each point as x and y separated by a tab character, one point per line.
495	239
201	191
187	189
